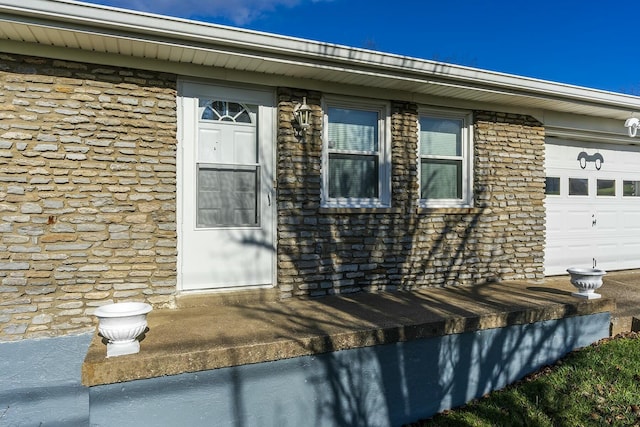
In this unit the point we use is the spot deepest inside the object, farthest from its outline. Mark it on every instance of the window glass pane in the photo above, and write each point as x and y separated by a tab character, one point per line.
552	186
227	196
440	137
441	179
353	130
606	187
353	176
578	187
225	111
631	188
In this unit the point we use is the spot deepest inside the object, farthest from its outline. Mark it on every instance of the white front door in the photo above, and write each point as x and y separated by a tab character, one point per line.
226	193
592	206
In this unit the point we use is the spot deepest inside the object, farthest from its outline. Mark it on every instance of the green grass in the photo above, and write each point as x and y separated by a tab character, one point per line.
595	386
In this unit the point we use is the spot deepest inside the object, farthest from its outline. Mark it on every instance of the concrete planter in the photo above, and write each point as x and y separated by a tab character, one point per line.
121	324
587	280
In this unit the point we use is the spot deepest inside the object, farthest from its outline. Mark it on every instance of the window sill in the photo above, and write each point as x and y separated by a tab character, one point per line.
367	210
451	210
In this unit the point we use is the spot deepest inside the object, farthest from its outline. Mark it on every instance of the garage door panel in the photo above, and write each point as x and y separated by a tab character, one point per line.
630	220
556	222
630	261
607	253
576	255
567	254
607	221
577	222
631	253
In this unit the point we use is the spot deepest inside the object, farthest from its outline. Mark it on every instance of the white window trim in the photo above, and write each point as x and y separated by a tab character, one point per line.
467	158
384	153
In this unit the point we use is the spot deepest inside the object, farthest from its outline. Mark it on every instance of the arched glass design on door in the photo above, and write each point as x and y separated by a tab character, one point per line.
226	111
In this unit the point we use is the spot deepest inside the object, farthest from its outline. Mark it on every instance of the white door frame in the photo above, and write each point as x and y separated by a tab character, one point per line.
265	98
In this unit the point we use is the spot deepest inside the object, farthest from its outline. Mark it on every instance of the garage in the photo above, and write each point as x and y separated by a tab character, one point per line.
592	201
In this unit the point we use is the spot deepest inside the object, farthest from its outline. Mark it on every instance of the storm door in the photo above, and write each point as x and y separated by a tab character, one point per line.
227	189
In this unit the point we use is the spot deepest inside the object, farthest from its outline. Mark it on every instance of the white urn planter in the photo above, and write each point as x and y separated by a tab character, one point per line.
121	324
587	280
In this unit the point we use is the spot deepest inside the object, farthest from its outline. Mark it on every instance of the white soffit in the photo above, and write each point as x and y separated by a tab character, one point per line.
99	29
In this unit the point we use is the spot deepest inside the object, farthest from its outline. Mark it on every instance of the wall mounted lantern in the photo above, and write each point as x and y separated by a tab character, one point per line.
302	113
632	125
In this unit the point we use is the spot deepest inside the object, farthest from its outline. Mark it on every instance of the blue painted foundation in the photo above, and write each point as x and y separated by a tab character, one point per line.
386	385
40	382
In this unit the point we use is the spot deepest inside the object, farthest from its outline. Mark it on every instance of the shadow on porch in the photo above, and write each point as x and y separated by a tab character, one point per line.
208	334
382	359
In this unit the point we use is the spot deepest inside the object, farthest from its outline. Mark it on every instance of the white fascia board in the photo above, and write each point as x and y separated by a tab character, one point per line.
594	129
589	135
162	29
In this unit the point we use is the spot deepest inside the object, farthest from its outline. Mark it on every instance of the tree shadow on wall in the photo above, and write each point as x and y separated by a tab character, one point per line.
390	382
398	372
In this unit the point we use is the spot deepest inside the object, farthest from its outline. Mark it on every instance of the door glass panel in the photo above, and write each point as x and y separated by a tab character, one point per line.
631	188
578	187
606	187
552	186
227	196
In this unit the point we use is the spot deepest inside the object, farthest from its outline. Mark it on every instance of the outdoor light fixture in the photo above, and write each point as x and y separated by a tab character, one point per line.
302	113
632	125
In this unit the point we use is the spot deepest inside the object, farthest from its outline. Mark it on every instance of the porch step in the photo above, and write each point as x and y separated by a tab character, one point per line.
227	298
624	324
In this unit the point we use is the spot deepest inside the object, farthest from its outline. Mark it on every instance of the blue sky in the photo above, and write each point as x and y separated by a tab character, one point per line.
585	43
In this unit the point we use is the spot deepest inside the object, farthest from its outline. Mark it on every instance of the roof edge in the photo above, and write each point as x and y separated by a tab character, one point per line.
70	13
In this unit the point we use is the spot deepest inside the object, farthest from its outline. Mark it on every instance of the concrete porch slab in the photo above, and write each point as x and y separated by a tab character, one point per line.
206	337
624	288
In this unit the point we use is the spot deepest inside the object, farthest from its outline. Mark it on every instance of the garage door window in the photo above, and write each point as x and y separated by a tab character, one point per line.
552	186
631	189
578	187
606	187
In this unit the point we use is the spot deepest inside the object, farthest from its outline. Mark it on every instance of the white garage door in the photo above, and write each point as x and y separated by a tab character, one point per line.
592	206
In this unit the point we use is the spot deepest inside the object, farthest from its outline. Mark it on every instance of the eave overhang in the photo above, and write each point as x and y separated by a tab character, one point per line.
98	30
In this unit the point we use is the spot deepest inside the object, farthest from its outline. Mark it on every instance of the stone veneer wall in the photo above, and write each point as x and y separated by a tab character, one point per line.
88	201
87	192
323	252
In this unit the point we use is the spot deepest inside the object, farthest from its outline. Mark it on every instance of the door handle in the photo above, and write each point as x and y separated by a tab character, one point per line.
269	197
594	221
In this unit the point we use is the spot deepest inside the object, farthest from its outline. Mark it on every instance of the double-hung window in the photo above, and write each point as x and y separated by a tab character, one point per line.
356	154
445	155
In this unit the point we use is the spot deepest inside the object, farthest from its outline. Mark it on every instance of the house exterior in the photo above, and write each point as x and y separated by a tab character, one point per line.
147	158
127	149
